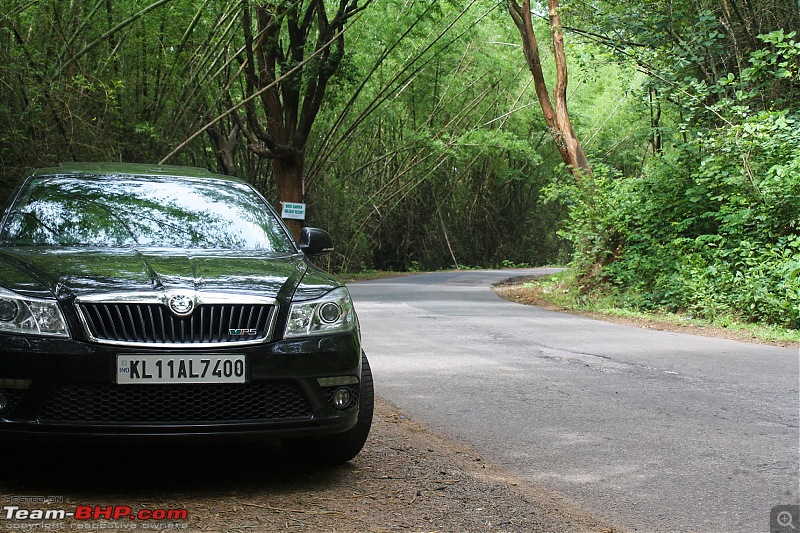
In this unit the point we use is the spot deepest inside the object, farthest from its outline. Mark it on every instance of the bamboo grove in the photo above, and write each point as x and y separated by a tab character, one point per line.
417	132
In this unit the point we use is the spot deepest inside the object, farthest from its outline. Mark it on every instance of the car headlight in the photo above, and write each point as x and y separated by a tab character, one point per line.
20	314
333	313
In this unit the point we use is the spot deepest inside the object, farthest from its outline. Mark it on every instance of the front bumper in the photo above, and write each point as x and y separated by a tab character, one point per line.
62	388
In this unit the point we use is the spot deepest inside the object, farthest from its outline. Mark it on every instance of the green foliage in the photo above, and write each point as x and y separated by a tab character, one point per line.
709	226
429	150
779	62
712	230
447	161
103	81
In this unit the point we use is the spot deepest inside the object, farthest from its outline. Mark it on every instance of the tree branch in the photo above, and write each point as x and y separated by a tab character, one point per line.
130	20
247	100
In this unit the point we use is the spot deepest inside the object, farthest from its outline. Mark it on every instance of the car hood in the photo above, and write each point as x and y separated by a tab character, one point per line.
75	272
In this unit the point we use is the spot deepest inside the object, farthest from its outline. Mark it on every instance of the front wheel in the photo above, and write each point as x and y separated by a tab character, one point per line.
341	447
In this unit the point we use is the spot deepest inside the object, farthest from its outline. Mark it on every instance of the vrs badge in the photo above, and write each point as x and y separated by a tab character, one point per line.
181	304
235	332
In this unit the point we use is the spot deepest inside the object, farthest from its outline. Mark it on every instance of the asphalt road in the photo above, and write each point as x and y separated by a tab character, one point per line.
654	431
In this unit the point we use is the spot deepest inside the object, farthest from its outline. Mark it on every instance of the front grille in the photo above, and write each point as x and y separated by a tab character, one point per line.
193	403
154	323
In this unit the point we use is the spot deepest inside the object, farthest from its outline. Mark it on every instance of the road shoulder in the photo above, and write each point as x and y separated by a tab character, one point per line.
407	478
514	290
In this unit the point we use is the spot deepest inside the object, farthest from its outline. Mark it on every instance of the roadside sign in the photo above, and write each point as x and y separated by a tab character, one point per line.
293	211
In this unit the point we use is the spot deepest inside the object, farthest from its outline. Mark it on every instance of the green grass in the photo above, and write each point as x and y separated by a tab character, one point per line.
563	290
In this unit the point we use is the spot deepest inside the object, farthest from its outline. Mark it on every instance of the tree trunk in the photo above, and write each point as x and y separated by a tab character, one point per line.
288	172
301	38
556	117
225	148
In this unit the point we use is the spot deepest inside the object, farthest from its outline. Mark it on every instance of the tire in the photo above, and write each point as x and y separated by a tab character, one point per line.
341	447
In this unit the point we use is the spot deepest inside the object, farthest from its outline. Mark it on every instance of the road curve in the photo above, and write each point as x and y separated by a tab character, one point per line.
653	431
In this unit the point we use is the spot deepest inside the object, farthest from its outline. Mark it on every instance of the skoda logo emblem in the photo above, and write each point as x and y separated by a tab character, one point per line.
181	304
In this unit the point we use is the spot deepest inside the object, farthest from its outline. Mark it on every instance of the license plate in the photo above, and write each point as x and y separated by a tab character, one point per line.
173	368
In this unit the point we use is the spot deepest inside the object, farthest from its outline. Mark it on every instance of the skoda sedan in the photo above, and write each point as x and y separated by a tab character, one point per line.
169	302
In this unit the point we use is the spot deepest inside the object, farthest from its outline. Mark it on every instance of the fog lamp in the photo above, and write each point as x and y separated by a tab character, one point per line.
341	398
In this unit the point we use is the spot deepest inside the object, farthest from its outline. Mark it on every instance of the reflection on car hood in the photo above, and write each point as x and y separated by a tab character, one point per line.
75	272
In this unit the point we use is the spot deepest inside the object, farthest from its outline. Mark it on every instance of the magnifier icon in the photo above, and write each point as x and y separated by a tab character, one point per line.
785	519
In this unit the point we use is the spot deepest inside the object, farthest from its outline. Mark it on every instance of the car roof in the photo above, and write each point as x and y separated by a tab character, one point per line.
133	169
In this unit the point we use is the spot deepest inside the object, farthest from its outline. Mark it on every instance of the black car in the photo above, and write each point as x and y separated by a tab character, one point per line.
154	301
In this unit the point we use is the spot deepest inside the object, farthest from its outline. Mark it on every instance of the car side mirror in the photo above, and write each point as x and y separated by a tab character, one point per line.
314	241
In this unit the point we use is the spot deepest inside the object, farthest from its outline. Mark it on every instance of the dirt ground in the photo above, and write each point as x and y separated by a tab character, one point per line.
407	478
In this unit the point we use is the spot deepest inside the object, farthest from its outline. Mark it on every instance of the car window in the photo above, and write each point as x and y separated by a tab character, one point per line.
126	211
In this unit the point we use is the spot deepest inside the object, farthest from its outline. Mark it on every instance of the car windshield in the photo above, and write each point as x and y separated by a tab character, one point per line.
142	211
